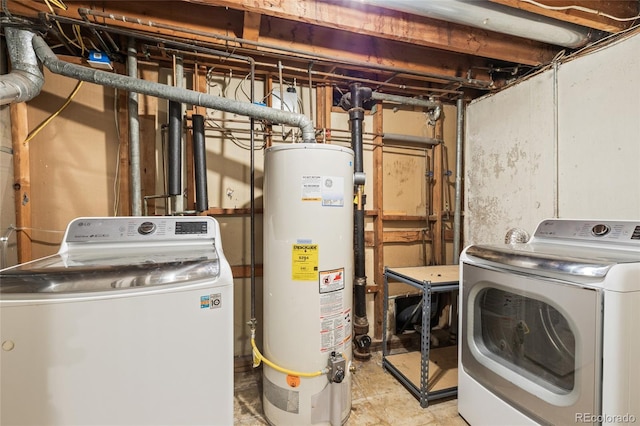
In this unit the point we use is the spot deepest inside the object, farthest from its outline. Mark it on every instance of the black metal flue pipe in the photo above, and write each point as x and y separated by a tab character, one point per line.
174	149
361	324
200	163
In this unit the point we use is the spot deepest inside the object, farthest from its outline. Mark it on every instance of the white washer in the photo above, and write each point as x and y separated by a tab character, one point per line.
130	323
549	327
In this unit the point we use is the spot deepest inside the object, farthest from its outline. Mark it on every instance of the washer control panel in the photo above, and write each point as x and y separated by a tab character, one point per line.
151	228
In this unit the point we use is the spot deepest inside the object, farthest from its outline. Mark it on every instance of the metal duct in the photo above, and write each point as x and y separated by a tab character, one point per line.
25	80
426	103
497	17
134	133
413	140
200	163
174	151
516	236
79	72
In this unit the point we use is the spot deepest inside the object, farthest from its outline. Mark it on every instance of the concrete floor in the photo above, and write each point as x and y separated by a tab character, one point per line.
378	399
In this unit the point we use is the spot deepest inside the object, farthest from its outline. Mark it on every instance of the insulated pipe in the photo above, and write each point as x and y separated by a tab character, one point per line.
458	197
134	133
25	80
415	140
174	149
361	324
404	100
200	163
57	66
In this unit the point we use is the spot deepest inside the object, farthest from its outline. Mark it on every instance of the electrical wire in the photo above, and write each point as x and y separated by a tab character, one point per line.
42	125
61	5
116	179
581	9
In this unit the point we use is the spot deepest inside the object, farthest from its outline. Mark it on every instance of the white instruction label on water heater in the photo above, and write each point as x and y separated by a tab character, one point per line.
332	191
335	322
327	189
311	188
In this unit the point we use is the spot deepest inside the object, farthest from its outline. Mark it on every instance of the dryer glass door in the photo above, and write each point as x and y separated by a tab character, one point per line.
533	341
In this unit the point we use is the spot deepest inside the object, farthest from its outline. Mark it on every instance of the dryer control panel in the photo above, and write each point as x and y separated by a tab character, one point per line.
626	233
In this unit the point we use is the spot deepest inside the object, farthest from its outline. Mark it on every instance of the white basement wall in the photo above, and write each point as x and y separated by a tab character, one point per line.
564	143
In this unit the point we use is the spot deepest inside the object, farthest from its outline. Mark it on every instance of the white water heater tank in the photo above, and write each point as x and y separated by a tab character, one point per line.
308	282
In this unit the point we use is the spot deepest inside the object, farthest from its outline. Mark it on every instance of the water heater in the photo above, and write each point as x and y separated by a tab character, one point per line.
308	283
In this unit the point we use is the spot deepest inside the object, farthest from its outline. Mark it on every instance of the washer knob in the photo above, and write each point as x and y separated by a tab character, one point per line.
146	228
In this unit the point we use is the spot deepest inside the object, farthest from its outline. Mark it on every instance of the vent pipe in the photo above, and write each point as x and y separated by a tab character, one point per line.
200	163
361	324
25	80
163	91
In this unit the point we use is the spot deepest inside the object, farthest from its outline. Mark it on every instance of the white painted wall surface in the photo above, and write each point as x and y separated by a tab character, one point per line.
522	164
599	134
509	161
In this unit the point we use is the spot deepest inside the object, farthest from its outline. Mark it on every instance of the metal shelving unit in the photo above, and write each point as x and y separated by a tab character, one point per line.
423	280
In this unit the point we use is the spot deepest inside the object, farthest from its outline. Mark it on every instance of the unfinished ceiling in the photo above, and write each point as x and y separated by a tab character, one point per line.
399	48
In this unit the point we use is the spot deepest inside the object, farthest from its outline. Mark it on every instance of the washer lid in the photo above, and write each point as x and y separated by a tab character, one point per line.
113	270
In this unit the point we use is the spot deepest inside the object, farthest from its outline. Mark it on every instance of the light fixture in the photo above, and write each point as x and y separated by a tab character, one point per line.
495	17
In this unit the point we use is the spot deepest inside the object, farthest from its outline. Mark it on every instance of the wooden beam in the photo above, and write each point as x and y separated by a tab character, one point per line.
251	27
22	179
589	13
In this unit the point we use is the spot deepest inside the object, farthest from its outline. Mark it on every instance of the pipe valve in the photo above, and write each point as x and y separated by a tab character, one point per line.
337	368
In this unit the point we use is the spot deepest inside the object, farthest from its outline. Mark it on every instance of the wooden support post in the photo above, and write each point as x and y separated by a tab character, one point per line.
378	221
324	101
22	179
124	204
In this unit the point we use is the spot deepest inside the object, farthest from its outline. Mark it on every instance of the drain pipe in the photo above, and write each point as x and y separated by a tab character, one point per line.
200	163
25	80
361	324
458	203
122	82
174	153
134	133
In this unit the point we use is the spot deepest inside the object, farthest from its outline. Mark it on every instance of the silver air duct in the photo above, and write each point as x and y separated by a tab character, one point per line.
122	82
25	80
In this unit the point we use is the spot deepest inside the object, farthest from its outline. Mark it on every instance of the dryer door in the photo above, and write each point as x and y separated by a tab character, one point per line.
533	341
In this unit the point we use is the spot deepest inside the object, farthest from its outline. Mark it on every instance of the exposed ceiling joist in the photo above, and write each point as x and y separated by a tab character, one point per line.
603	15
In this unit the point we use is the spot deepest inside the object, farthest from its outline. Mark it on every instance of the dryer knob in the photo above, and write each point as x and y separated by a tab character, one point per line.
600	230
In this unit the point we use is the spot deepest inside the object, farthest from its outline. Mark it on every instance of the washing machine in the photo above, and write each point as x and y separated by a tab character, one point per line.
130	323
549	327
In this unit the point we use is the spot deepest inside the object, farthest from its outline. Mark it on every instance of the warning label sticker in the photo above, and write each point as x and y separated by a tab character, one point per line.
327	189
331	280
335	330
311	188
304	262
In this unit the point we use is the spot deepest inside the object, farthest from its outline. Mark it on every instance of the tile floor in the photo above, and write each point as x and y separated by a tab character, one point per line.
378	399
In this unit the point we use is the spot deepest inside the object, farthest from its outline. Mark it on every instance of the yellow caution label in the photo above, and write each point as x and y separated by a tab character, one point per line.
304	262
